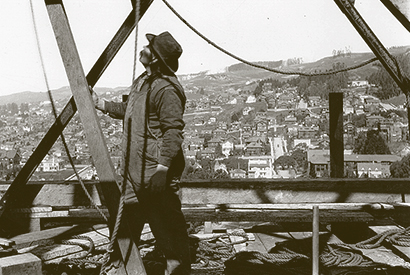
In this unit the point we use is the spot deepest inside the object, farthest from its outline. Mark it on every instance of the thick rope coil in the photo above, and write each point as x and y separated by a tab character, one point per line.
80	261
207	265
344	256
379	238
90	248
213	251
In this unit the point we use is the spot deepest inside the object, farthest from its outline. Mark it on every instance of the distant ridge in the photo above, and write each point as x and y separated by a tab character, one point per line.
235	76
242	66
63	93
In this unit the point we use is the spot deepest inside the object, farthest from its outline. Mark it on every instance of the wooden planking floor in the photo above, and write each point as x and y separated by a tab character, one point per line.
262	240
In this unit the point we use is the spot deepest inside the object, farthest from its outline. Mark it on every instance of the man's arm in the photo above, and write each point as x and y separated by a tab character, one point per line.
113	109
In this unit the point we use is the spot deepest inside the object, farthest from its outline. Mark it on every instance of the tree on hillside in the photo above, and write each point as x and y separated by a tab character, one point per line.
206	164
359	120
218	151
300	157
383	79
258	90
234	163
371	143
220	174
401	168
285	162
267	148
236	116
207	137
321	85
324	126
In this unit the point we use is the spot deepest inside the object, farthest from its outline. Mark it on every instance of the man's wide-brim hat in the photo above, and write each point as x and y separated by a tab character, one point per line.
166	48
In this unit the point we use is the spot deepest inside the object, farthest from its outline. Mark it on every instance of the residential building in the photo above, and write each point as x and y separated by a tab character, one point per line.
319	161
260	167
373	170
308	132
238	174
50	164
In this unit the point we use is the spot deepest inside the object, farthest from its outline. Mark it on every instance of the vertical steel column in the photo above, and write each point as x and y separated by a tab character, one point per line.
315	241
336	135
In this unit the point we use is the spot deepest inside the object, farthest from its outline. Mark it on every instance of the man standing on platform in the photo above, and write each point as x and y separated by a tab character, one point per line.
153	157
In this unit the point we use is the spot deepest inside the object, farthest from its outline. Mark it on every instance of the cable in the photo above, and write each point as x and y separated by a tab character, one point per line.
137	18
261	66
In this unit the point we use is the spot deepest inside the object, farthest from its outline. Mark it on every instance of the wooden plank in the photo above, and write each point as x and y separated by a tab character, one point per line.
254	191
23	264
208	227
402	251
114	46
204	236
211	215
257	244
93	131
281	193
48	236
293	191
294	206
240	246
277	216
17	192
57	251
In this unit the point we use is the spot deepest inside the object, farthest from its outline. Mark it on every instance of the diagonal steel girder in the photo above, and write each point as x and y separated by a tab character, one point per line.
16	193
125	252
347	7
400	9
388	62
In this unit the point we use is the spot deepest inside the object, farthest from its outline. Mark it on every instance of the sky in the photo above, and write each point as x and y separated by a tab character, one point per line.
258	30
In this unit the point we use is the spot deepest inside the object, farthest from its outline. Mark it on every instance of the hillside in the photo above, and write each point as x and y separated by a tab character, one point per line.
235	76
242	75
63	93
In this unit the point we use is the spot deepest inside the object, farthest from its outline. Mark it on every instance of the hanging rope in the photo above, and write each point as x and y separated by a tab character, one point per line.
137	19
105	267
261	66
62	136
106	259
110	248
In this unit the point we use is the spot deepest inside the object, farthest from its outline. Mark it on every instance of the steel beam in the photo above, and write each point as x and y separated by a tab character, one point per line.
374	43
400	9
